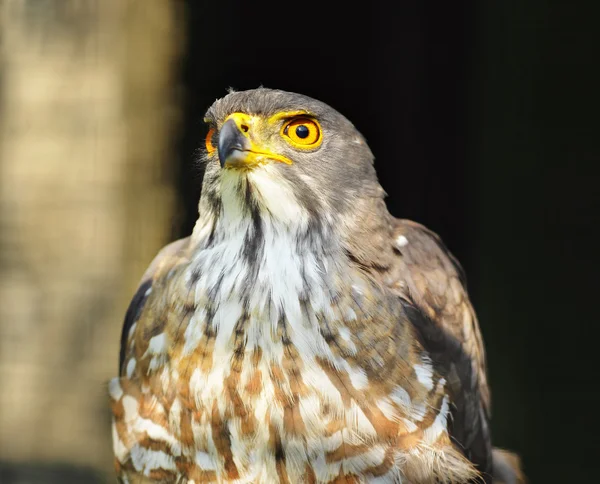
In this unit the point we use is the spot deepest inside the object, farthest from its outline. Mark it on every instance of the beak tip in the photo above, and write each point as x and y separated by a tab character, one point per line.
230	139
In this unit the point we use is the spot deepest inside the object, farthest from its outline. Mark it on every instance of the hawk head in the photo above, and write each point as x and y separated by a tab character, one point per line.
287	157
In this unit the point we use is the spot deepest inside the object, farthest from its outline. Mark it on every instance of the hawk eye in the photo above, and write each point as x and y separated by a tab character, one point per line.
302	132
209	146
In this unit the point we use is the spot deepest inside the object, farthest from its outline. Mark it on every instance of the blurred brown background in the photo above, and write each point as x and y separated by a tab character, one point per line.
88	109
483	117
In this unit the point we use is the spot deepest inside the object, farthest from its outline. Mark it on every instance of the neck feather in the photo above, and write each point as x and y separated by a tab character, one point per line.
258	242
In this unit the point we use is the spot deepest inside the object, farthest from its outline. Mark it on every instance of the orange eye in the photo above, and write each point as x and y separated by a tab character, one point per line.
303	132
209	146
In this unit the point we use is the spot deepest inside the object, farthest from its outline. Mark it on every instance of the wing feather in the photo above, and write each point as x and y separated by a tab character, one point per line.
432	287
167	258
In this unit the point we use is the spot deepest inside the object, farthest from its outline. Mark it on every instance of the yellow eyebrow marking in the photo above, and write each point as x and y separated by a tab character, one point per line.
288	114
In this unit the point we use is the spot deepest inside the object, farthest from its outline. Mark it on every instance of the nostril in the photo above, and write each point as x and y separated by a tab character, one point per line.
244	128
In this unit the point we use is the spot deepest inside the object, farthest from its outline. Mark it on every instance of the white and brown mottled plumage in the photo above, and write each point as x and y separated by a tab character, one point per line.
301	333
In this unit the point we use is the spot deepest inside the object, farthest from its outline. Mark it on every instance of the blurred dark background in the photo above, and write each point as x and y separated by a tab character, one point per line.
483	118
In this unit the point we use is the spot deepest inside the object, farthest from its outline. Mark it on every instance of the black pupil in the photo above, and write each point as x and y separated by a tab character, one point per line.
302	131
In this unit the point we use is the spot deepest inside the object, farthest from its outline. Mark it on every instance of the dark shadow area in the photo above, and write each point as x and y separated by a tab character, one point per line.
482	121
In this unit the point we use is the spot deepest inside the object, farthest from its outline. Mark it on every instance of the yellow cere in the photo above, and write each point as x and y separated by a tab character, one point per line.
258	152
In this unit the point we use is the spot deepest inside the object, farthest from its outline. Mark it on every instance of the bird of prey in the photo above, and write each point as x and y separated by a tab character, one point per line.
301	334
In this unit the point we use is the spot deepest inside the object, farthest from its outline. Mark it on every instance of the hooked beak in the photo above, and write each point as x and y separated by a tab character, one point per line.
236	148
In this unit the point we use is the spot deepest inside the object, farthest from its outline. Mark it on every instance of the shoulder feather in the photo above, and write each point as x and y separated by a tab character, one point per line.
164	260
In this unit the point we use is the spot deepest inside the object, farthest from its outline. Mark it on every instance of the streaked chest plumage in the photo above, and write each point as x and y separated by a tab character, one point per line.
283	369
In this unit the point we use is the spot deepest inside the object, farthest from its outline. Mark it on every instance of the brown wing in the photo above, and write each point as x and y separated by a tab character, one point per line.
168	257
432	287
